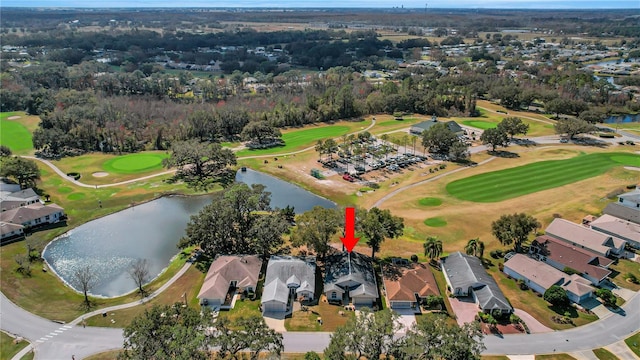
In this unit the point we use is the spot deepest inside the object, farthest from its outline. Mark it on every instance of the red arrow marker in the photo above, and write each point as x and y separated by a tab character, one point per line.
349	240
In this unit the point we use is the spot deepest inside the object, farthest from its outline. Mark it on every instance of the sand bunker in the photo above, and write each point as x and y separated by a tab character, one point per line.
632	168
13	117
100	174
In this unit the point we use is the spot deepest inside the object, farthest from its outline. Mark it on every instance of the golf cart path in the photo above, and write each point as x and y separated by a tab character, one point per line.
81	184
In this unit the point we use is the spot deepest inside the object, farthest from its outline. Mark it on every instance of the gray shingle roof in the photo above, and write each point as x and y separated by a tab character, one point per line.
284	270
351	271
466	271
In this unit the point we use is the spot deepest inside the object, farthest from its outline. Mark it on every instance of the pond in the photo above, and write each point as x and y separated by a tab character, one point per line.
621	119
109	245
284	193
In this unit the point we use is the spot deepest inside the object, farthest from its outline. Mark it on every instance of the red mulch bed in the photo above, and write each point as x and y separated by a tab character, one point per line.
501	329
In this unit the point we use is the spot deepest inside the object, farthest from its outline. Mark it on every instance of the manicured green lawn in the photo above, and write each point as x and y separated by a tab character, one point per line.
480	124
430	201
435	222
604	354
8	348
14	135
522	180
296	140
633	342
303	138
135	163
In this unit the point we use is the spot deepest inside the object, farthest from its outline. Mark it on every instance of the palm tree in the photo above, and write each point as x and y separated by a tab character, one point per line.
330	147
320	148
475	247
385	145
405	142
432	247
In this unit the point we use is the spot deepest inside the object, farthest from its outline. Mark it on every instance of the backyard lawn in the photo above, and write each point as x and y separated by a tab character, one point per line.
308	320
184	285
14	134
522	180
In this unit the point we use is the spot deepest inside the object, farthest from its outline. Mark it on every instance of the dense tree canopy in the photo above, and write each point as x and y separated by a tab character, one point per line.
513	126
199	164
315	228
24	171
572	127
495	137
439	139
556	296
376	225
239	220
514	229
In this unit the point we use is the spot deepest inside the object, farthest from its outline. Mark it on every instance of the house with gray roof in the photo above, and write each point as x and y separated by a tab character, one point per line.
630	199
540	277
350	279
582	236
421	127
623	229
622	212
33	215
288	278
466	276
12	200
228	276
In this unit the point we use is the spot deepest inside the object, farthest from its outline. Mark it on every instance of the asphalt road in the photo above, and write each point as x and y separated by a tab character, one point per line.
81	342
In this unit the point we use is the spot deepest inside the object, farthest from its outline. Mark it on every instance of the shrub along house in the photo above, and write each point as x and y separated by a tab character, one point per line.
406	285
229	275
350	279
466	276
539	277
288	278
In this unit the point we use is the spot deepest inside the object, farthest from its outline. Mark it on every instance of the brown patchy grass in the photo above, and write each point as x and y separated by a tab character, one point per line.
494	357
308	321
107	355
173	294
467	220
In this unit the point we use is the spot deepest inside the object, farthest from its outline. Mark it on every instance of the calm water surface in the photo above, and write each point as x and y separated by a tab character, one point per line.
151	231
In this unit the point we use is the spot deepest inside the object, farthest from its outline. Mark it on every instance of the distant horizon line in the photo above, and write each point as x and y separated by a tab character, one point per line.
316	8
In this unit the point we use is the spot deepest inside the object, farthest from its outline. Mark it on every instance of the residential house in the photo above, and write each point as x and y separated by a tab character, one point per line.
620	228
582	236
539	277
405	285
623	212
466	276
349	278
15	199
10	231
288	277
630	199
420	127
33	215
229	275
566	257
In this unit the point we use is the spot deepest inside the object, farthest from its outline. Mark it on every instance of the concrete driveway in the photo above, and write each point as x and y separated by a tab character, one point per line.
465	309
275	320
407	319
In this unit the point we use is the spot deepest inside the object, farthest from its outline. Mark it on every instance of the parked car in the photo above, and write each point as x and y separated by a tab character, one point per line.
348	177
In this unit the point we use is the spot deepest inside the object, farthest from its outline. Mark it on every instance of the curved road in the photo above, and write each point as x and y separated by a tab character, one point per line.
57	341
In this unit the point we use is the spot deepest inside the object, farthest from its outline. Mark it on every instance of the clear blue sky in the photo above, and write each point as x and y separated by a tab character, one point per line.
518	4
